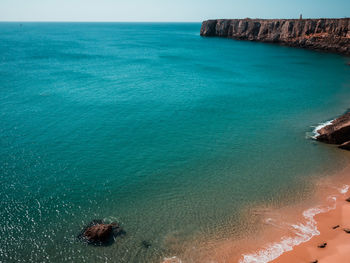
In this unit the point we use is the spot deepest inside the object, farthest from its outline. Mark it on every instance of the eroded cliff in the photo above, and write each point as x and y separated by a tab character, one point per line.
322	34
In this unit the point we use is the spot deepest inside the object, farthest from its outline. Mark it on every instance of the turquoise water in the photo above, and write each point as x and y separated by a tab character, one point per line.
150	125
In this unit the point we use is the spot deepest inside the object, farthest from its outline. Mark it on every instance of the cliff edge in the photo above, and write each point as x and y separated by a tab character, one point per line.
331	35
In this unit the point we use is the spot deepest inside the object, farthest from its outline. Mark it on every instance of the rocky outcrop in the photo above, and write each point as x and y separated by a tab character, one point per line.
322	34
99	233
337	132
345	146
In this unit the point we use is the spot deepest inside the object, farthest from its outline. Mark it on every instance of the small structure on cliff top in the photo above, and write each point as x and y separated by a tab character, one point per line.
301	16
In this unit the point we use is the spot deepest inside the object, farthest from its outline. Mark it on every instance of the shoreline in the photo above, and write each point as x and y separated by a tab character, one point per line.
331	226
325	223
323	233
317	229
289	234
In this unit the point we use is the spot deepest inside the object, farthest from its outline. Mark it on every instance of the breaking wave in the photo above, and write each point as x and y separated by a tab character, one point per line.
320	126
303	233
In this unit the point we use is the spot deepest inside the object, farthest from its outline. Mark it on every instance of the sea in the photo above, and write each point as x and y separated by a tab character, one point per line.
176	137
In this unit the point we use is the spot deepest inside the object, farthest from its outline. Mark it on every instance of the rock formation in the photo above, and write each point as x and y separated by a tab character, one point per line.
338	132
345	146
99	233
322	34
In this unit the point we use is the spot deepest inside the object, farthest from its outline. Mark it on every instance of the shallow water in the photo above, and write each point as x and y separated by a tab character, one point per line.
150	125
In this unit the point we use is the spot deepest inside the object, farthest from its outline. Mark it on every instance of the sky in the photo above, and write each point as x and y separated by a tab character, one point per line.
167	10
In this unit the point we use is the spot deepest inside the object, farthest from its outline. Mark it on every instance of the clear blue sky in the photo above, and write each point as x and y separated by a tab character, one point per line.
167	10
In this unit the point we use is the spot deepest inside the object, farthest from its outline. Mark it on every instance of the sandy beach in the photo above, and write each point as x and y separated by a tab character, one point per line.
332	244
313	231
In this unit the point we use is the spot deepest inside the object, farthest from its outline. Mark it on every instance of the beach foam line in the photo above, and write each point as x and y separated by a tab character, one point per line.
303	231
320	126
172	260
344	189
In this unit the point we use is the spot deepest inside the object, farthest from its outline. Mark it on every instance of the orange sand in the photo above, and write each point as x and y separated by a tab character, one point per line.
338	241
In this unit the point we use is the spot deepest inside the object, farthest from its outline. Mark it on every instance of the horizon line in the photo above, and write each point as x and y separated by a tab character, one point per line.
92	21
149	21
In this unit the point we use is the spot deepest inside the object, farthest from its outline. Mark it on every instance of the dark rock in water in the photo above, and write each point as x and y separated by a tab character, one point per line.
348	199
345	146
335	227
347	230
146	244
99	233
321	34
322	245
337	132
315	261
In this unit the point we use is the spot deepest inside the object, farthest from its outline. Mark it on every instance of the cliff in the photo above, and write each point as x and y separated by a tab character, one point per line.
321	34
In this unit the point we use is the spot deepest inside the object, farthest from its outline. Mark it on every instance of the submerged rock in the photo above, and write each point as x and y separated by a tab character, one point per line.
338	132
99	233
146	244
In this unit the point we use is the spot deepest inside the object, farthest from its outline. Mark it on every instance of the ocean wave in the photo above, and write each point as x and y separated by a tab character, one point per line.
320	126
303	233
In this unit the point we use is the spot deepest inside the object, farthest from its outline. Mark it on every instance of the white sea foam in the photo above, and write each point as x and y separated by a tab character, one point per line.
320	126
172	260
303	233
344	189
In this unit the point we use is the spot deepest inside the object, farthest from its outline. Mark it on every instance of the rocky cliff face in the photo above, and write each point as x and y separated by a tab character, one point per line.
321	34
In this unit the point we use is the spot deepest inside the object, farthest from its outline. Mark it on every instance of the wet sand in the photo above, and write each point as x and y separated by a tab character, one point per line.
331	226
289	234
332	243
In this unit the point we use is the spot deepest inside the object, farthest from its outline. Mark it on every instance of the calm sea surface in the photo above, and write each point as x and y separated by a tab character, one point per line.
170	134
